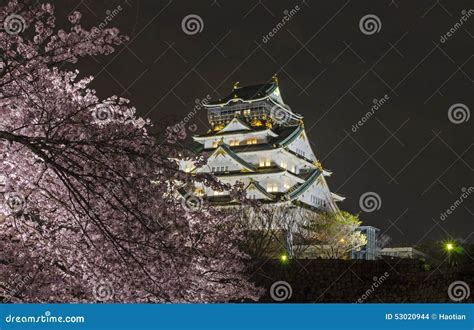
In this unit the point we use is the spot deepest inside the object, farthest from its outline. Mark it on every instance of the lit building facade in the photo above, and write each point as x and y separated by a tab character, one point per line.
402	252
255	139
369	251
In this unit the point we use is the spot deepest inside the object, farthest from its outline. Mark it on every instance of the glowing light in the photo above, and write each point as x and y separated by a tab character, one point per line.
283	258
449	246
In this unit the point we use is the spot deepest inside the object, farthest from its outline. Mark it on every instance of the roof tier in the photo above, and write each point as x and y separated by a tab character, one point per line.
246	94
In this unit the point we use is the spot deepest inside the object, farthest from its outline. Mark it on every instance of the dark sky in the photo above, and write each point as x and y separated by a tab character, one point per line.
409	152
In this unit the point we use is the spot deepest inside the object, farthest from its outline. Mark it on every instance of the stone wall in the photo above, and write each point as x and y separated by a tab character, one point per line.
350	281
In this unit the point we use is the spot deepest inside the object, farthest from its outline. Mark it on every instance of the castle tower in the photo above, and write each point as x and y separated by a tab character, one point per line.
255	138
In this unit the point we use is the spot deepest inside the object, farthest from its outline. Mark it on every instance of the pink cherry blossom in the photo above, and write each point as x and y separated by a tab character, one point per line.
88	196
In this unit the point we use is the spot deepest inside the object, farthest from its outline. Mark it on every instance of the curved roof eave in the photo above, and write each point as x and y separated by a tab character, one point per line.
259	187
234	156
301	189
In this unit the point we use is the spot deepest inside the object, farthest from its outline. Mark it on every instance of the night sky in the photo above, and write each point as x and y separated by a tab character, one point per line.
408	152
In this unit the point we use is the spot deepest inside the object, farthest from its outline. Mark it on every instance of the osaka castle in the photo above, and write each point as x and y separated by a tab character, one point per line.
256	139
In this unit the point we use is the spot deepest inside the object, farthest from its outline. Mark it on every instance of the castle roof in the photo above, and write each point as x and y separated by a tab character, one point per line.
247	93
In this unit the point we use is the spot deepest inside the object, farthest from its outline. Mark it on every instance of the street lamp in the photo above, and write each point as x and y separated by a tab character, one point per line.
450	248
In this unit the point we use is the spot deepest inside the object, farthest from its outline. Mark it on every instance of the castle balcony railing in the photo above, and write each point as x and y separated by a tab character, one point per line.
253	110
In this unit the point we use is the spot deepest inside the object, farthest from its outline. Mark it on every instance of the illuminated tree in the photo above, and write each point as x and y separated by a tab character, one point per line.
89	210
334	235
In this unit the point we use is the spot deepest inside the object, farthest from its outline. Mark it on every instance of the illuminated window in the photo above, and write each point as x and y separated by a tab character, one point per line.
300	152
234	143
272	187
283	164
220	169
265	162
218	193
199	192
247	112
215	144
286	185
252	141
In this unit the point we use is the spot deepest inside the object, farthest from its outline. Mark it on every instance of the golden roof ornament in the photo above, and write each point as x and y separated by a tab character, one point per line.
236	85
275	78
318	164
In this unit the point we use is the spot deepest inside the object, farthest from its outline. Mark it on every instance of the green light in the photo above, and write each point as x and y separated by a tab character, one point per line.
449	246
284	258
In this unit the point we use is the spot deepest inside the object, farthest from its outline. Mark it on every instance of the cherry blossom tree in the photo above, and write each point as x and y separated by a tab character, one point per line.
89	209
334	234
